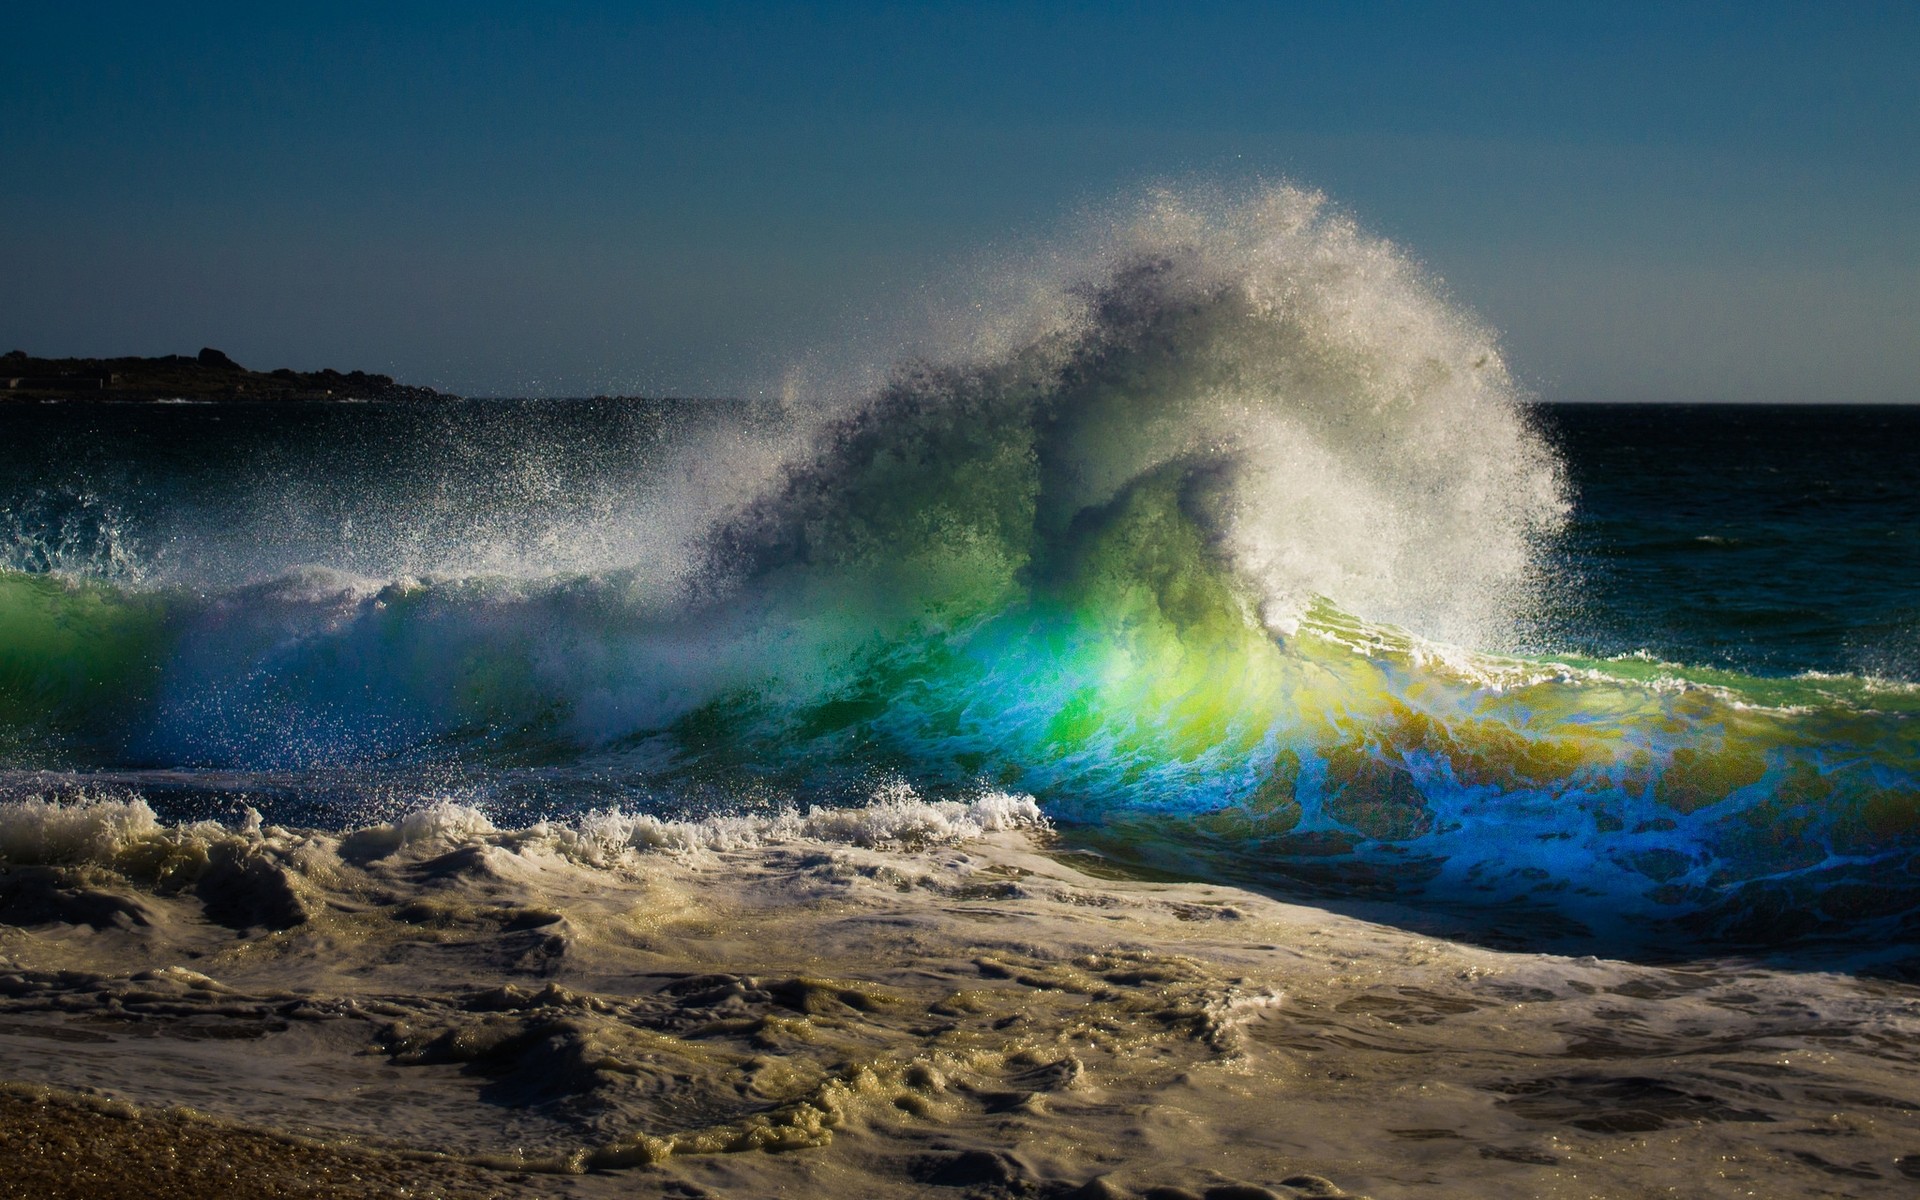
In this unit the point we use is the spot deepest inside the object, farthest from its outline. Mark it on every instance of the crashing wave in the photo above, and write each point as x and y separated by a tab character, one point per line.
1217	530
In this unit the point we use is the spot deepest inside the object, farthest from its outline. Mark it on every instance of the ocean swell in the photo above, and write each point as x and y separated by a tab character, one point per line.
1216	557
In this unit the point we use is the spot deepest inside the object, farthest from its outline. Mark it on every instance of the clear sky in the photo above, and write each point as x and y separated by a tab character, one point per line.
1652	202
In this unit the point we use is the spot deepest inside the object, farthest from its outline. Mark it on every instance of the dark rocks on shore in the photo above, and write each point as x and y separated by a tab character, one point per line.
209	375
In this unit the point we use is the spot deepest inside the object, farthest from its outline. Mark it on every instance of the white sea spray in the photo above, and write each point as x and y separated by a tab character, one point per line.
110	830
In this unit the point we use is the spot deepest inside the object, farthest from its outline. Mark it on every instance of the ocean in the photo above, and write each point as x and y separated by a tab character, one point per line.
1231	582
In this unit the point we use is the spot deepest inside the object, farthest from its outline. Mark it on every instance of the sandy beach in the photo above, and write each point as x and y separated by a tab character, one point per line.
910	1000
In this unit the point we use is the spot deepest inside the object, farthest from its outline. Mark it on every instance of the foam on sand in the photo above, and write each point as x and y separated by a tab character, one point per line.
914	997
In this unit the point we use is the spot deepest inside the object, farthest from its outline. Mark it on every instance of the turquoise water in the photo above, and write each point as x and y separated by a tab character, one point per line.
1245	557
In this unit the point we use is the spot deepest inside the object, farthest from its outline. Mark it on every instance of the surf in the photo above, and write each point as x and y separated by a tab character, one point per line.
1223	542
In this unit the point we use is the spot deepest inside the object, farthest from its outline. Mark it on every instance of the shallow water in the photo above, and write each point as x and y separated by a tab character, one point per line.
923	999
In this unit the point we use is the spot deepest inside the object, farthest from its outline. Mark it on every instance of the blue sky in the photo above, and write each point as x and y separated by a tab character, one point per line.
1673	201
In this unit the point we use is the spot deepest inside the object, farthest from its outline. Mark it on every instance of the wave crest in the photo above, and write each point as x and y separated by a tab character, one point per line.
1332	423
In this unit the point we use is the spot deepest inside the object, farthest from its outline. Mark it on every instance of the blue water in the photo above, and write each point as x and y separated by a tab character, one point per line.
1764	539
1246	556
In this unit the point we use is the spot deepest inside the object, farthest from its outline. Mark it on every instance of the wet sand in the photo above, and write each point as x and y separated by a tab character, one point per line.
890	1005
58	1145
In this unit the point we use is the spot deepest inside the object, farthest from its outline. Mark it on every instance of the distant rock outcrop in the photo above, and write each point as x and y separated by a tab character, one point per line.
209	375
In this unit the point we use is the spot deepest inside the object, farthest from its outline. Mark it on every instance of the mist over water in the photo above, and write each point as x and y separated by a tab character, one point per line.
1231	540
1334	428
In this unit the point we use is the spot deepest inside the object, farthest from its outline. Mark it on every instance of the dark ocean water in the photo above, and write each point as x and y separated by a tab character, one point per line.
1763	539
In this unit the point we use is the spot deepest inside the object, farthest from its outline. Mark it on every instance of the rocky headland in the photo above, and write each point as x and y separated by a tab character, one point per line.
209	375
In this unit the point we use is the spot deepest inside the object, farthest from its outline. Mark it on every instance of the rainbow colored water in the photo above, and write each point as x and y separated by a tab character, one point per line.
1236	546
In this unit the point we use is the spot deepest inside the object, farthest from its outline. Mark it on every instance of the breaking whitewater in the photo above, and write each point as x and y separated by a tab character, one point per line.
1115	754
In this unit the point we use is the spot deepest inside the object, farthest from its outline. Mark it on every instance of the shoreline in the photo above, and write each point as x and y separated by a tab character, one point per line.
905	1002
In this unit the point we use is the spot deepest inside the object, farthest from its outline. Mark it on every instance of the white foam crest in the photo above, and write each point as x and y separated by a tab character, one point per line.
1364	439
1871	682
104	831
88	829
896	817
1376	448
442	821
